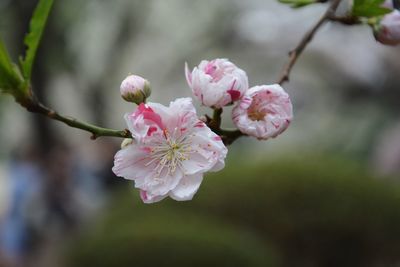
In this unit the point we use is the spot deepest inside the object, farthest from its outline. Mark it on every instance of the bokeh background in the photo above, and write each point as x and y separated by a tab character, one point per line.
325	193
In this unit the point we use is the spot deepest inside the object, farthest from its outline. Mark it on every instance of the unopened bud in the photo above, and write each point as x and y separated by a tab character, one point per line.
127	142
135	89
388	31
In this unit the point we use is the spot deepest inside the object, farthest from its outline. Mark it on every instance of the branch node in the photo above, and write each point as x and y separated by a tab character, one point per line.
51	114
127	133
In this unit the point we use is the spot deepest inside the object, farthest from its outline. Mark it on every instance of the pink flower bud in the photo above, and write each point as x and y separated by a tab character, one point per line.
388	32
135	89
217	83
265	111
388	4
126	142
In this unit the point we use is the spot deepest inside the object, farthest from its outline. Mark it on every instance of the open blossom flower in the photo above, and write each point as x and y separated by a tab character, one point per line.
171	152
135	89
265	111
388	32
217	83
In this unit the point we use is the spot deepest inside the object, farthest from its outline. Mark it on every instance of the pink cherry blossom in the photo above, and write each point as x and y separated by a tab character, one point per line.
217	83
172	151
265	111
389	29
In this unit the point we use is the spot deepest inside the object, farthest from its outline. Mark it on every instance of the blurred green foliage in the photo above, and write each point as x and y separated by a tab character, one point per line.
168	238
15	79
9	75
299	3
369	8
311	211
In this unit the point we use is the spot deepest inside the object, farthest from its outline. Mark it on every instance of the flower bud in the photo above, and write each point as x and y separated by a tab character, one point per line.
217	83
265	111
388	31
135	89
126	142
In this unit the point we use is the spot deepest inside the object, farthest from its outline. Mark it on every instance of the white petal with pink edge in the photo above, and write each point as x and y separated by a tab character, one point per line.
217	83
187	187
264	112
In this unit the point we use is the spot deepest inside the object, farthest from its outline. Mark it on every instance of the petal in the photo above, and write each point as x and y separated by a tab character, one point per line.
137	128
153	117
188	75
198	162
209	146
144	122
164	112
219	165
187	187
129	161
235	95
182	105
213	94
160	184
148	198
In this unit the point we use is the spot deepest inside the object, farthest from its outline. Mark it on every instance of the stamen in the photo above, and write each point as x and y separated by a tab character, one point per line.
170	152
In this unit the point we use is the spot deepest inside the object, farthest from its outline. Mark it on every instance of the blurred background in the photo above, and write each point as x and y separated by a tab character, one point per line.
325	193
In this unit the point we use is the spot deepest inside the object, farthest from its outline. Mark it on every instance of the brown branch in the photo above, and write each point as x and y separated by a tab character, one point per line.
347	20
214	123
230	136
295	53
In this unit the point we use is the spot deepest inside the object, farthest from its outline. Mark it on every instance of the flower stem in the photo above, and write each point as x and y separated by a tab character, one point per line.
216	119
227	136
230	136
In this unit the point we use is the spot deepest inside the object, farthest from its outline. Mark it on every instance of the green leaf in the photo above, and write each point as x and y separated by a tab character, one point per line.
32	40
9	75
369	8
298	3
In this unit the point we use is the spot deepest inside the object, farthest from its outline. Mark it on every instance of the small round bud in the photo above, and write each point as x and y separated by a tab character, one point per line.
135	89
126	142
388	31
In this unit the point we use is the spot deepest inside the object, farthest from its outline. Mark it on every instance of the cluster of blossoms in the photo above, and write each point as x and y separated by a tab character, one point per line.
171	148
388	30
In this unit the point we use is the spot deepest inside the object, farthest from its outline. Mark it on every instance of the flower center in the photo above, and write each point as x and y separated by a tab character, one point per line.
169	154
256	111
256	115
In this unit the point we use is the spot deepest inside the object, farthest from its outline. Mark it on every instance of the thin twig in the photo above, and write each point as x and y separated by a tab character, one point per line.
347	20
34	106
295	53
215	122
227	136
230	136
